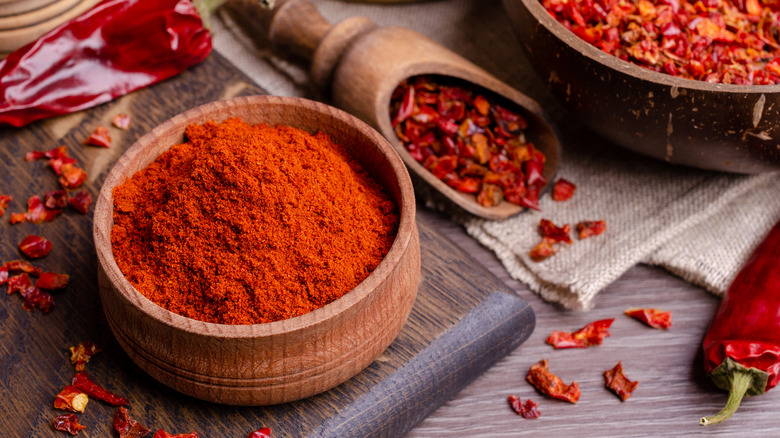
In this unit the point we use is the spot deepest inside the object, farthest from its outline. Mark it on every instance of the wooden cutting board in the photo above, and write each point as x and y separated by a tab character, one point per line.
463	321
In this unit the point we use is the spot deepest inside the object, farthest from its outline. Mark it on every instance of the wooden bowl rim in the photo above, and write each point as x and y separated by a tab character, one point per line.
393	258
595	54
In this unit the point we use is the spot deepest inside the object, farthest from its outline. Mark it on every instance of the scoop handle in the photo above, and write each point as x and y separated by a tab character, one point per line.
292	25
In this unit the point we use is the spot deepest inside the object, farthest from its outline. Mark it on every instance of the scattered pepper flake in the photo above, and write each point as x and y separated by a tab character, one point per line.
58	152
82	353
3	275
81	201
82	381
127	427
548	383
71	399
55	199
68	423
558	234
4	201
543	249
22	266
587	229
563	190
17	218
37	211
35	247
99	137
529	409
263	432
592	334
33	297
121	121
617	381
163	434
653	317
72	176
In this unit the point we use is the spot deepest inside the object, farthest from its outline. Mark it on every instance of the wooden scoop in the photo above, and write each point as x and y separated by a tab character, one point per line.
359	65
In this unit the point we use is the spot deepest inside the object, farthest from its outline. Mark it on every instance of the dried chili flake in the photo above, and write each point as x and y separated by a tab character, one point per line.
22	266
55	199
468	139
58	152
563	190
263	432
543	249
529	409
33	297
52	281
71	399
35	247
619	383
127	427
121	121
99	137
548	383
592	334
82	381
18	218
57	163
72	176
37	211
4	201
3	275
18	282
82	353
163	434
587	229
557	234
68	423
81	201
653	317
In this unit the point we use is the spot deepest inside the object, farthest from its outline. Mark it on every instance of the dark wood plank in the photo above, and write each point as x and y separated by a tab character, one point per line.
464	320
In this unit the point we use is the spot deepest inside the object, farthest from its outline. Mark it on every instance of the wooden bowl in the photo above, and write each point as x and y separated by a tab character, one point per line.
281	361
733	128
17	30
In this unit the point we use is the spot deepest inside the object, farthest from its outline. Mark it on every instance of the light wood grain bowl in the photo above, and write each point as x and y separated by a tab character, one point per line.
733	128
26	25
286	360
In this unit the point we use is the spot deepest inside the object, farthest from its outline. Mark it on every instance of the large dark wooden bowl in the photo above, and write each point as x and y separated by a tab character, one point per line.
733	128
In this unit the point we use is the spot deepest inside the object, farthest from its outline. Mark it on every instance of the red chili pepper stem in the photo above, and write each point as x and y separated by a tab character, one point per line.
738	380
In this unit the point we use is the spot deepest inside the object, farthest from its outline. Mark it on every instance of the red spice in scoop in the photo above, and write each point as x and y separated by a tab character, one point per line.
250	224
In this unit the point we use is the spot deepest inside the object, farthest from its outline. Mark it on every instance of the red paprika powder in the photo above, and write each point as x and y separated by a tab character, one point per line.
248	224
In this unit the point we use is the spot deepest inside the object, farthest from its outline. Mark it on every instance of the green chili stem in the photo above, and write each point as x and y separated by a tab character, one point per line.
740	383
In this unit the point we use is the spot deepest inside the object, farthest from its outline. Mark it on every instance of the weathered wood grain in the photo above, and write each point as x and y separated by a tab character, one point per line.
464	318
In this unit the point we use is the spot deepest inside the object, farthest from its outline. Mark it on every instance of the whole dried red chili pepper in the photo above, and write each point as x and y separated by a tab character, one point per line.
82	353
742	345
548	383
68	423
529	409
111	50
35	247
653	317
617	381
264	432
127	427
592	334
71	399
82	381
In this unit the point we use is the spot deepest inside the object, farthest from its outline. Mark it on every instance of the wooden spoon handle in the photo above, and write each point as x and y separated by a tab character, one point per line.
293	25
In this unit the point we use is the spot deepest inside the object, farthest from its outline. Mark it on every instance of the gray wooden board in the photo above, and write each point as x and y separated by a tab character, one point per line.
463	321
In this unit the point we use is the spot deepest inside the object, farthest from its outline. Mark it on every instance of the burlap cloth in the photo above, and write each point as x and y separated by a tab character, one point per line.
700	225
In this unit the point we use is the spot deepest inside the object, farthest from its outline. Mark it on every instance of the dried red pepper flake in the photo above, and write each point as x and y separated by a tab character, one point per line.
82	353
52	281
557	234
529	409
3	275
18	283
58	152
72	176
653	317
68	423
57	163
22	266
35	247
17	218
263	432
617	381
127	427
121	121
543	249
163	434
4	201
82	381
37	211
33	297
563	190
55	199
592	334
81	201
99	137
71	399
587	229
548	383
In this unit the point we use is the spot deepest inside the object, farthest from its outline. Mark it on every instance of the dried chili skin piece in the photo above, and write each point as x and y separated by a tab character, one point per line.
163	434
72	176
543	249
52	281
563	190
529	409
99	137
55	199
548	383
592	334
37	211
558	234
3	275
4	201
617	381
121	121
33	297
81	201
68	423
264	432
127	427
17	218
82	353
82	381
71	399
653	317
35	247
587	229
22	266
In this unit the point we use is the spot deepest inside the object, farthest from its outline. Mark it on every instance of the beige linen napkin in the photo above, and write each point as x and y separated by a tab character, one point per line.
700	225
